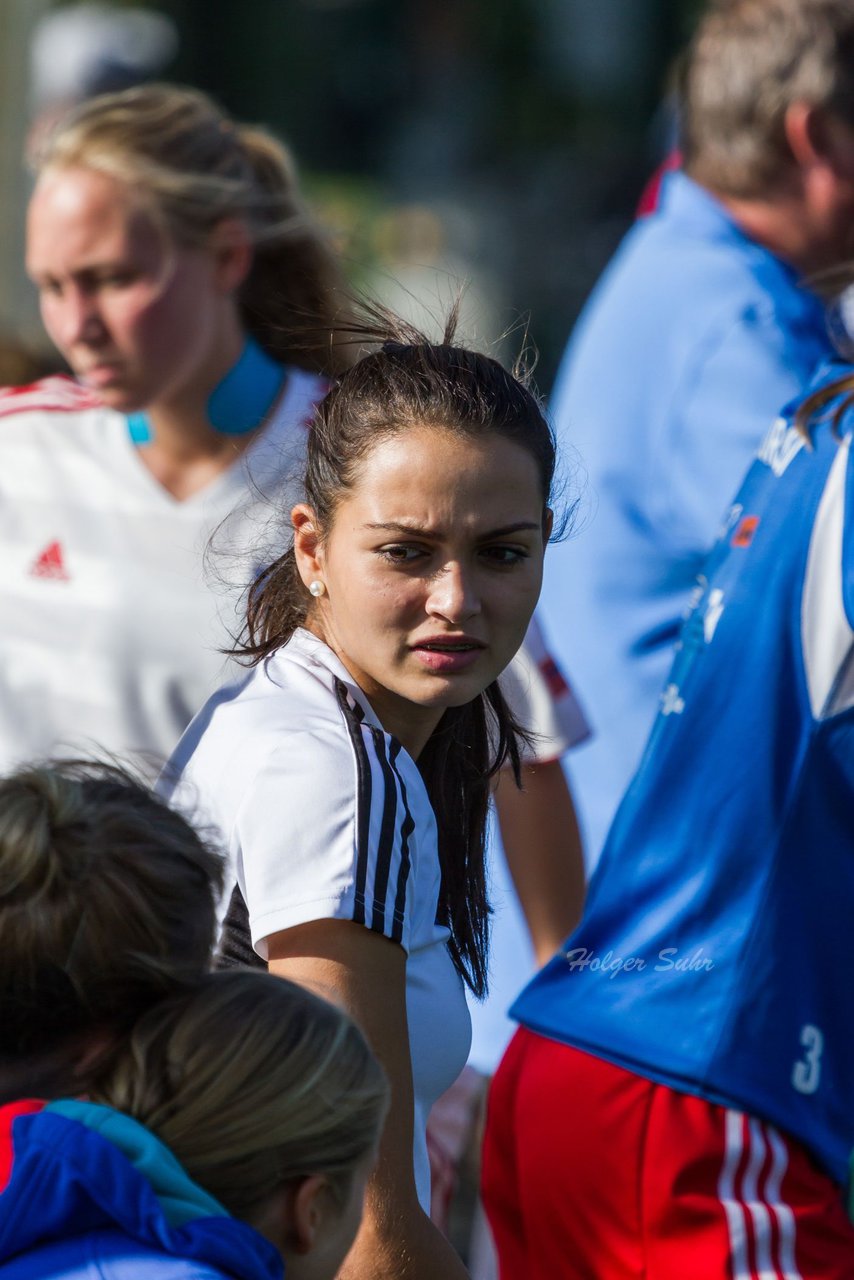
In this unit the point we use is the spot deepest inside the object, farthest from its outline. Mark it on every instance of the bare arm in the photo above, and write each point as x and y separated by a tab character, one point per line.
542	844
365	973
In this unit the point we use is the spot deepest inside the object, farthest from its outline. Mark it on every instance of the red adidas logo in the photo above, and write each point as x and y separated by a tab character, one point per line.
50	564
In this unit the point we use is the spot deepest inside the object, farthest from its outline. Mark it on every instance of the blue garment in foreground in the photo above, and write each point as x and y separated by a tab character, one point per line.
691	342
716	950
78	1205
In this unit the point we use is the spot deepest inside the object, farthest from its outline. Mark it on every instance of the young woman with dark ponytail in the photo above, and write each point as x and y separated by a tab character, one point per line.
350	773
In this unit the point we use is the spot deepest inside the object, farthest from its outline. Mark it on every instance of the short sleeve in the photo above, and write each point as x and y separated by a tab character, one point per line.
541	699
723	406
325	831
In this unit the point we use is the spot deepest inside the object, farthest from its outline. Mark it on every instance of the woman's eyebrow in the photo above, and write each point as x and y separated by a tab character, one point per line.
400	526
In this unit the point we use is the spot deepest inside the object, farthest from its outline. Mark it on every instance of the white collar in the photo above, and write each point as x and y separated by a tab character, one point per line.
309	646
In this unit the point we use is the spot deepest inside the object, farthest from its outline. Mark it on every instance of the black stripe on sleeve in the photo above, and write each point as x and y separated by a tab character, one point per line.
353	716
235	950
406	830
387	829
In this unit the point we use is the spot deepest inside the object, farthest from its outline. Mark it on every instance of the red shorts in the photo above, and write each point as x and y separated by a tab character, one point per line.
593	1173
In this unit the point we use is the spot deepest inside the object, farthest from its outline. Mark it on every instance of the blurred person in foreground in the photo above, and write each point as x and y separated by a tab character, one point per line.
232	1135
107	905
192	295
679	1100
701	328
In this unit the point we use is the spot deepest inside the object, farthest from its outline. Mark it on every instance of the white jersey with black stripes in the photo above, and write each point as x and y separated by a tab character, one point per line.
325	816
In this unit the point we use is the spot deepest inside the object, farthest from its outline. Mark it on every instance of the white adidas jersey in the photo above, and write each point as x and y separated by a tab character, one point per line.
111	617
325	816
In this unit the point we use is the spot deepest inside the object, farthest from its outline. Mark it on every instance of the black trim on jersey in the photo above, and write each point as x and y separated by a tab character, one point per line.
387	830
353	717
235	950
406	830
396	822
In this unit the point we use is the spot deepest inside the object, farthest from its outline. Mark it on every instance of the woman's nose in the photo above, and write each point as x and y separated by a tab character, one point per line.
454	596
81	317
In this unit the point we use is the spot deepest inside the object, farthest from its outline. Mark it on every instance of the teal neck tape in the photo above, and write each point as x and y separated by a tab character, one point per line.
139	428
239	402
247	393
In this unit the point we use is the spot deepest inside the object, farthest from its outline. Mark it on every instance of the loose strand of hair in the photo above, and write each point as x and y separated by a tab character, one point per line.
466	750
811	411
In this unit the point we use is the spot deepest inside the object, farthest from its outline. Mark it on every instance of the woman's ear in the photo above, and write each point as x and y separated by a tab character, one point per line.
548	523
308	548
308	1210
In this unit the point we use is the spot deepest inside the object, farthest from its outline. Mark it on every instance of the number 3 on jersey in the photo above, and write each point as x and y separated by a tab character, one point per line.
807	1070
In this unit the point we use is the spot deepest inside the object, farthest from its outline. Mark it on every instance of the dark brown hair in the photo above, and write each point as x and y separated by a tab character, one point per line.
107	903
812	408
749	61
410	380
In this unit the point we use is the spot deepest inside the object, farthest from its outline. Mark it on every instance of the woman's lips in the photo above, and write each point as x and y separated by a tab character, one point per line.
100	375
449	658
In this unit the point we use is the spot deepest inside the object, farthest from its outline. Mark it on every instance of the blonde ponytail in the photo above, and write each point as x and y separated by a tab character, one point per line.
293	301
252	1081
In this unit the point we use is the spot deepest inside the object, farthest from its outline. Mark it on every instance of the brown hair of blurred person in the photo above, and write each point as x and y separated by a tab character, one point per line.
767	122
107	904
194	168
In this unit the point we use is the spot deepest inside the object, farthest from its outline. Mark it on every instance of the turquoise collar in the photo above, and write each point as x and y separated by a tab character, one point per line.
181	1199
239	402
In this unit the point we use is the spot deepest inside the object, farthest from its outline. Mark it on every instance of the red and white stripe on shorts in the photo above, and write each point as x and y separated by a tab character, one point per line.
591	1172
762	1227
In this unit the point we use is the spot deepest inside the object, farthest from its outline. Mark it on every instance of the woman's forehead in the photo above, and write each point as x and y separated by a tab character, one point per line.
81	215
432	475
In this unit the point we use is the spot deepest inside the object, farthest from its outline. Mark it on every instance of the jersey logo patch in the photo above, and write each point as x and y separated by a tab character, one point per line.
745	532
50	564
781	445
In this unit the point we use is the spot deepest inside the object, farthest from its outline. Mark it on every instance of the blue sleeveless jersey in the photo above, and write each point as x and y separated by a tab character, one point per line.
718	941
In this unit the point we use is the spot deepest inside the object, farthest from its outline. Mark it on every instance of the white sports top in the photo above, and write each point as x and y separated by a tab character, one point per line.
325	816
110	621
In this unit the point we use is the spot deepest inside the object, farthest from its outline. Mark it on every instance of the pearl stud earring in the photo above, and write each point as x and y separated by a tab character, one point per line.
317	588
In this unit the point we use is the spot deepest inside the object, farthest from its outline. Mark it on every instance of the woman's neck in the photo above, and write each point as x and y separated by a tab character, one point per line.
185	453
196	435
411	724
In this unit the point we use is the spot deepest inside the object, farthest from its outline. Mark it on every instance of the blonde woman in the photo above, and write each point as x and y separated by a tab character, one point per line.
234	1135
174	262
